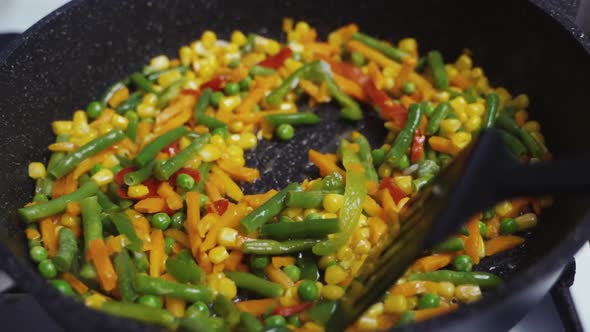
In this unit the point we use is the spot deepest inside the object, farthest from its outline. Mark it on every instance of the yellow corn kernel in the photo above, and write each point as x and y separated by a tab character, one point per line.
362	247
228	104
227	288
504	208
538	137
63	147
408	45
476	72
69	220
102	177
150	99
473	123
520	102
395	304
333	202
307	212
412	302
61	127
325	260
458	104
146	111
293	213
184	142
161	62
208	38
290	297
467	293
503	94
236	126
376	309
119	121
361	233
288	107
292	64
238	161
37	170
464	62
475	109
169	77
332	292
273	47
248	141
95	300
80	129
186	55
235	151
218	141
526	221
137	191
227	237
451	71
461	139
532	126
104	128
368	323
446	289
209	153
385	170
191	85
450	126
110	161
218	254
442	96
238	38
335	274
404	183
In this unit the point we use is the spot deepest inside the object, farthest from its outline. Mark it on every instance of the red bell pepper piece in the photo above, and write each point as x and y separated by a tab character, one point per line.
122	192
120	176
217	83
396	193
390	110
277	60
152	185
290	311
418	146
172	148
219	206
349	71
191	92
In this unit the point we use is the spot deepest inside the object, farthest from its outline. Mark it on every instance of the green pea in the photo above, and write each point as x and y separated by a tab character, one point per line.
232	88
38	253
293	272
508	226
308	291
404	162
197	308
185	181
94	109
285	132
47	269
409	88
463	263
489	213
378	156
161	221
150	301
294	320
234	63
221	131
40	198
96	168
168	244
259	262
177	220
428	300
428	108
358	59
87	271
275	321
63	287
245	83
482	228
216	98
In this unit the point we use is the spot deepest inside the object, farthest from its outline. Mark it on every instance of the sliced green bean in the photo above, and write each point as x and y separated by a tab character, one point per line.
157	286
307	229
125	276
439	72
440	113
306	199
148	153
133	121
272	247
184	269
44	186
142	82
125	227
137	177
227	310
105	203
366	157
492	105
452	244
164	170
249	323
482	279
513	144
67	250
111	91
390	51
403	140
210	122
140	312
130	103
169	93
92	226
257	70
299	118
264	213
202	103
255	284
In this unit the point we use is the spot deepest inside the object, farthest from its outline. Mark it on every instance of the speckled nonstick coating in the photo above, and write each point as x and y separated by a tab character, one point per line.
72	55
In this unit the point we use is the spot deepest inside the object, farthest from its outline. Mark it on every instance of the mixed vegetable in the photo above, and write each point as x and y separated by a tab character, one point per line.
139	211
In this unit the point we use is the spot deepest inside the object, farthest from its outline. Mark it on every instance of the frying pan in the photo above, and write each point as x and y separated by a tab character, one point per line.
68	58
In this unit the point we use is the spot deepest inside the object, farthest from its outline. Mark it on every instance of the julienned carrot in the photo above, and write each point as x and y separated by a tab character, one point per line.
142	227
343	34
324	163
377	228
502	243
180	119
424	314
32	234
315	91
322	48
432	262
105	117
256	307
102	263
173	199
48	235
408	65
371	207
263	85
179	236
76	284
157	253
256	200
183	102
218	268
231	218
115	244
460	81
412	288
150	205
234	260
239	173
406	101
193	215
175	306
205	262
376	75
280	261
206	223
86	165
212	191
350	87
225	184
276	275
442	144
474	247
373	55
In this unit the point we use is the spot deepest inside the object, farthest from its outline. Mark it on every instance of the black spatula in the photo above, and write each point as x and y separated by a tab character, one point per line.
480	176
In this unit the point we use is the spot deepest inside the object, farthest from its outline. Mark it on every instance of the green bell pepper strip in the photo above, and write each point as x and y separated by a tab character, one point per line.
264	213
154	75
226	309
354	195
105	203
130	103
403	140
332	183
67	250
91	224
440	113
390	51
210	122
439	72
164	170
321	312
278	95
366	158
142	313
148	153
131	130
142	82
125	227
272	247
350	108
513	144
255	284
202	323
55	157
169	93
306	199
307	229
111	91
535	148
309	268
38	211
257	70
137	177
420	182
299	118
92	148
452	244
44	186
184	269
492	105
202	103
125	276
249	323
482	279
157	286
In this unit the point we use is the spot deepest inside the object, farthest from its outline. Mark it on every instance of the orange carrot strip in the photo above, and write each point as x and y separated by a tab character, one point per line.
212	191
234	260
343	34
59	187
48	235
175	306
377	227
102	262
142	227
460	81
349	87
432	262
178	236
76	284
373	55
278	276
502	243
325	165
193	215
32	234
408	65
118	97
205	262
157	254
73	208
474	242
280	261
258	199
175	122
263	84
314	91
441	144
256	307
376	75
424	314
143	129
173	199
114	244
412	288
218	268
183	102
238	173
150	205
371	207
322	48
225	184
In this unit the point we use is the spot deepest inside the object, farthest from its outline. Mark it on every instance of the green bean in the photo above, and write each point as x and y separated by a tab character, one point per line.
482	279
142	82
366	158
535	148
125	276
105	203
44	186
227	310
470	95
299	118
137	177
249	47
157	286
140	261
169	93
91	224
332	183
68	248
204	171
143	313
125	227
306	199
350	109
257	70
164	170
404	138
307	263
452	244
210	122
202	103
314	71
322	311
130	103
428	168
255	284
202	323
155	75
390	51
513	144
420	182
131	130
249	323
184	269
505	122
147	154
439	72
492	105
69	162
272	247
440	113
307	229
111	91
264	213
55	206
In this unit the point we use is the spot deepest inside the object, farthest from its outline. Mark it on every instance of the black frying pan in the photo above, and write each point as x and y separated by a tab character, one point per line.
72	55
